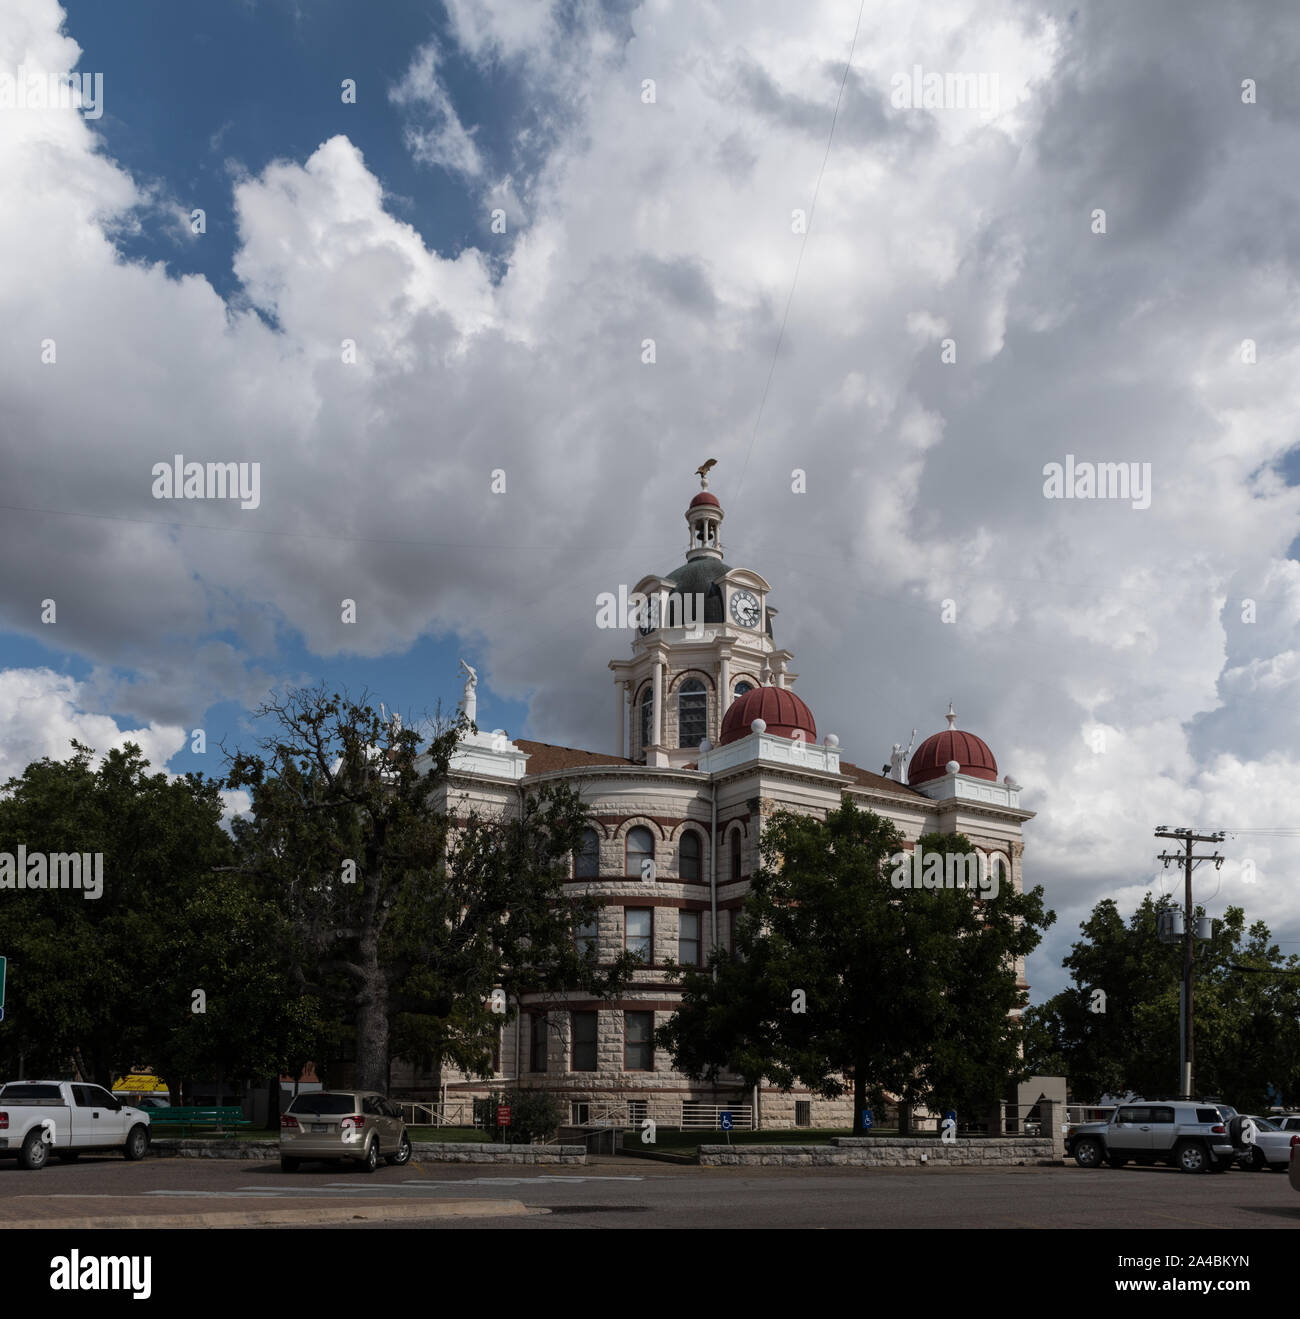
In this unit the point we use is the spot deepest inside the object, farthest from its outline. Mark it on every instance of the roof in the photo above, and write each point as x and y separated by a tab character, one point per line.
543	758
784	713
866	779
971	753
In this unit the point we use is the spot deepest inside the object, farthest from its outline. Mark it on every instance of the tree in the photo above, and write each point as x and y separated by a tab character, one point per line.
85	971
840	976
420	917
1247	1022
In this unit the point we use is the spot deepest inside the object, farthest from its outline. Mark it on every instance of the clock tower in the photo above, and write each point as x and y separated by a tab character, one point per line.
707	639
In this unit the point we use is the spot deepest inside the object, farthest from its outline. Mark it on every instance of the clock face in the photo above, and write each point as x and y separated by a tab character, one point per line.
744	608
651	617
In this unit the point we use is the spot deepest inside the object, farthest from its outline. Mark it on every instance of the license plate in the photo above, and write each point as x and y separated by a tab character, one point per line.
319	1127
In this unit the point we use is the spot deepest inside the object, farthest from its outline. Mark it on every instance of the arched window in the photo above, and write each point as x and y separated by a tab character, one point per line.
689	857
735	853
692	713
742	687
647	716
586	862
640	849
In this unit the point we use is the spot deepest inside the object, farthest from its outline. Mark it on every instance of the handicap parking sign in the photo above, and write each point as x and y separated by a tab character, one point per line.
950	1115
725	1121
866	1120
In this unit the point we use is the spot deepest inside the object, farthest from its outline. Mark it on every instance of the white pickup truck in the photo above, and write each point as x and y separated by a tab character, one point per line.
66	1118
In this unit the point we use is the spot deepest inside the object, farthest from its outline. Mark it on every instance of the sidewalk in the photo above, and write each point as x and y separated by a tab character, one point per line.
78	1212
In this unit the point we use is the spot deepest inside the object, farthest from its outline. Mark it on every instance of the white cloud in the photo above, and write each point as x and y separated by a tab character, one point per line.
672	221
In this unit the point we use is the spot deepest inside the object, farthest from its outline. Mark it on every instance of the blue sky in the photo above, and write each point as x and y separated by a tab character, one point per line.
670	218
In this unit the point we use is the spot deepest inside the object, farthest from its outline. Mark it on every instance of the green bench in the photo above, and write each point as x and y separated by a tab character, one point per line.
228	1119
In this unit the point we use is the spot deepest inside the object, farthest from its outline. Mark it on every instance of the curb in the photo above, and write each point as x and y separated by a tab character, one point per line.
295	1217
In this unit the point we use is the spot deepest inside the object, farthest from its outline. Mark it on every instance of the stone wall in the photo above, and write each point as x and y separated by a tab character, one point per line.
882	1152
464	1152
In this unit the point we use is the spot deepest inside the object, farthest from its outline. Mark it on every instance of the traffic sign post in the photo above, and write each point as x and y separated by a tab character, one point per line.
503	1117
866	1119
725	1122
3	963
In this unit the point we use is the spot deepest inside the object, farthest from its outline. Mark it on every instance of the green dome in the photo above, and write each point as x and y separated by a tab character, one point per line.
699	577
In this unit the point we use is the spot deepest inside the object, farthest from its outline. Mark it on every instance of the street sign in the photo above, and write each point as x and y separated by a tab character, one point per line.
503	1116
950	1116
725	1121
866	1119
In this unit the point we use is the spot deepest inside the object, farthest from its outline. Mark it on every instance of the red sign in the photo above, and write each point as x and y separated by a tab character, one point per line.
503	1116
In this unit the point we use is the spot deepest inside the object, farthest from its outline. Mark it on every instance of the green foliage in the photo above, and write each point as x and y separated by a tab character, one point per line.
1247	1023
907	991
93	980
534	1115
403	924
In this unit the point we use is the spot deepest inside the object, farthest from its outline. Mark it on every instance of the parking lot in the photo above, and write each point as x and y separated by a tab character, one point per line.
613	1193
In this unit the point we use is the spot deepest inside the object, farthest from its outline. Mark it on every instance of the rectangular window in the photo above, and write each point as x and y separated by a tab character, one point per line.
584	938
638	931
736	916
537	1052
803	1112
580	1113
584	1041
688	938
638	1045
637	1111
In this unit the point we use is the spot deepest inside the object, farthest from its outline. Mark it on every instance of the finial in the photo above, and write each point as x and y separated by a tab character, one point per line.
703	472
952	718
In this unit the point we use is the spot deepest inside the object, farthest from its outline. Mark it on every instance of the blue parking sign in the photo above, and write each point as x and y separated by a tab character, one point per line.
950	1115
725	1121
866	1119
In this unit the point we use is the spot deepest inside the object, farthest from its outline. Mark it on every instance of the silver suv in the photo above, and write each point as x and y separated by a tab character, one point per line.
357	1126
1189	1135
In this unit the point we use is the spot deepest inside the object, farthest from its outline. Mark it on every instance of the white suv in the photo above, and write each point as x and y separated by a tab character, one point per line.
1190	1136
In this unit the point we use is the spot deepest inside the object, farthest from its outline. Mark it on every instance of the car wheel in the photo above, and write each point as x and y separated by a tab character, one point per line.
1258	1160
1191	1157
137	1143
403	1154
289	1165
35	1152
371	1162
67	1156
1087	1153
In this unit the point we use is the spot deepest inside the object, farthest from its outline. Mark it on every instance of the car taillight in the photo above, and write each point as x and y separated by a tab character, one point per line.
1220	1130
4	1123
355	1121
288	1122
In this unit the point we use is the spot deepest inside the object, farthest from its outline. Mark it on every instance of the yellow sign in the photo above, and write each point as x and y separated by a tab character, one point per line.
141	1083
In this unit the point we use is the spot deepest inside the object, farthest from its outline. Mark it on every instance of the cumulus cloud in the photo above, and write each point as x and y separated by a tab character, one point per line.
672	219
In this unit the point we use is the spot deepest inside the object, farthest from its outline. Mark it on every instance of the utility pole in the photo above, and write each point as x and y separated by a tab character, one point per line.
1187	1057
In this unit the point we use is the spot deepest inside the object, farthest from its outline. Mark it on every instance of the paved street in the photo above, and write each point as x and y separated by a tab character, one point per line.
613	1193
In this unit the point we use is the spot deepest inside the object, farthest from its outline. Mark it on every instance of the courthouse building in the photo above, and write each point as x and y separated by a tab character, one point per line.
709	739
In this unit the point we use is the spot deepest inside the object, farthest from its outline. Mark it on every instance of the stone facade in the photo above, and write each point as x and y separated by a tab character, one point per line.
718	795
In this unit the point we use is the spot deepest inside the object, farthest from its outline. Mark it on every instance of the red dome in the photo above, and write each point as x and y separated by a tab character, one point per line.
969	751
705	498
782	711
